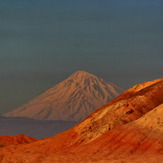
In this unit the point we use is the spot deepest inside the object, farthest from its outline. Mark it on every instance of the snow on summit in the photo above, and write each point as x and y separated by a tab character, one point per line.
73	99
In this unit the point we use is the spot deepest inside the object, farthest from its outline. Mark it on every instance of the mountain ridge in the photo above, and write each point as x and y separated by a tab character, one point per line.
125	130
72	99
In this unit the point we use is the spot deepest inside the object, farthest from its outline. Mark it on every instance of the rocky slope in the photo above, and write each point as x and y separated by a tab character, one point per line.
142	135
71	100
127	129
15	140
129	106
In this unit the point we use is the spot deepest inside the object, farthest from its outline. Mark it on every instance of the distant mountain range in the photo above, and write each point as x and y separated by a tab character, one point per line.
71	100
127	129
35	128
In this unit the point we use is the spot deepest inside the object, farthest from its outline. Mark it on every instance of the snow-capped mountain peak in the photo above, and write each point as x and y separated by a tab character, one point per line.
72	99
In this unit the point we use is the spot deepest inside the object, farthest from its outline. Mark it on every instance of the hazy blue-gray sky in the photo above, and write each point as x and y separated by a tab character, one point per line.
43	42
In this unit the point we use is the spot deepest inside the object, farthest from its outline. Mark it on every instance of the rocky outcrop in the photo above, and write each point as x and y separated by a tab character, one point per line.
15	140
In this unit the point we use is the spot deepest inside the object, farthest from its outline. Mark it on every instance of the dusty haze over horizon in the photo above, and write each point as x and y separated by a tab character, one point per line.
43	42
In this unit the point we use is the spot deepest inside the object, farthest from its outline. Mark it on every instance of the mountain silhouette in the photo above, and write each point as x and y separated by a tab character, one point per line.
71	100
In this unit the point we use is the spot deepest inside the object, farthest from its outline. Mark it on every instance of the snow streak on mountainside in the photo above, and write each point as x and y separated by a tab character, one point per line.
73	99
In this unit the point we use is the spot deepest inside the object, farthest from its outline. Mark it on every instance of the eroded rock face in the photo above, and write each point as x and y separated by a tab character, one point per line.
71	100
142	135
126	108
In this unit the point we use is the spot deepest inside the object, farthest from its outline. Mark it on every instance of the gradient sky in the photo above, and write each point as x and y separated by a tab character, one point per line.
42	42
